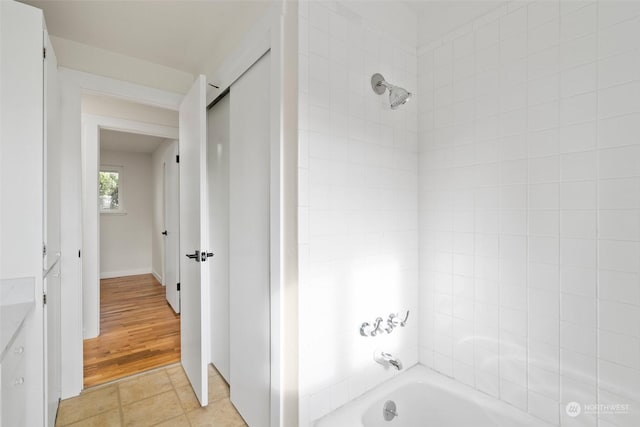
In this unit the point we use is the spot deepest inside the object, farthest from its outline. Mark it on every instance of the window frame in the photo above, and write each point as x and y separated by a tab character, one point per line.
120	210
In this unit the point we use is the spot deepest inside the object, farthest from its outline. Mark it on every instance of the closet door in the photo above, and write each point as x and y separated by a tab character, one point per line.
249	237
218	168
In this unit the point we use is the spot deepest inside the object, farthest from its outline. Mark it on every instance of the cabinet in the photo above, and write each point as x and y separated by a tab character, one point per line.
13	373
16	307
25	144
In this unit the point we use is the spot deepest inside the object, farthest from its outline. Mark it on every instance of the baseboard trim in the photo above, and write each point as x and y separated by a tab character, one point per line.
112	274
158	277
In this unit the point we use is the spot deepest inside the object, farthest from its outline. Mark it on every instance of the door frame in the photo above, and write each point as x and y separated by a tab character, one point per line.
90	148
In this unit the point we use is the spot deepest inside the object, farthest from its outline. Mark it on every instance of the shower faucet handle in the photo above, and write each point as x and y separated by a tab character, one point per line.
404	322
365	329
376	327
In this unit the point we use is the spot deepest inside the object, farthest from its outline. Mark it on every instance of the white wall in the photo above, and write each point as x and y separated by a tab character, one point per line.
530	206
105	63
125	240
106	106
358	243
158	224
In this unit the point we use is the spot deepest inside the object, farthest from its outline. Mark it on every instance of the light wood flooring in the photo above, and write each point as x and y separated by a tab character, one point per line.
138	330
162	397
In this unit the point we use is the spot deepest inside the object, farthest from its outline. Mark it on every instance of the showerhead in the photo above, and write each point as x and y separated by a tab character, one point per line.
397	95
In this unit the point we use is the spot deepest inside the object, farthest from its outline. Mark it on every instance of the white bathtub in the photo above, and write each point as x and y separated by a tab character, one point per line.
425	398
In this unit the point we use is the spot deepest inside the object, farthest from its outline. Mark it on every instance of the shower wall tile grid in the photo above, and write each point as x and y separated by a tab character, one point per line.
358	204
529	207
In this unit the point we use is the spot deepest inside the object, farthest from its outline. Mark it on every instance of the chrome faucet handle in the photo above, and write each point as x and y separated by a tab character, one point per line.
392	322
376	327
365	329
404	322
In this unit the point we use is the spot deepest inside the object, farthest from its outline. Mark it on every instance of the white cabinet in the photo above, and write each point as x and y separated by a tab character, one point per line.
23	211
13	372
16	308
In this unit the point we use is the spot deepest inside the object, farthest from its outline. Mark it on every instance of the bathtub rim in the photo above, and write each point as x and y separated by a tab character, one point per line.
352	412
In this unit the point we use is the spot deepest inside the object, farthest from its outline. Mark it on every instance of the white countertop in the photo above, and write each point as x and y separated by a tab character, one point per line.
16	301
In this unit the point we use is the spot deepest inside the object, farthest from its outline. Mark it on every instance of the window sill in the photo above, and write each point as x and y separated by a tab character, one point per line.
114	212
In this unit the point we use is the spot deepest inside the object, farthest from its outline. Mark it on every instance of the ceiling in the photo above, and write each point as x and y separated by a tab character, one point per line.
180	34
112	140
196	35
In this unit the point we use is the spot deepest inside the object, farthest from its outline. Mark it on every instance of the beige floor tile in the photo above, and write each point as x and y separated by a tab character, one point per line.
106	419
144	386
153	410
180	421
220	413
88	404
218	388
187	398
177	375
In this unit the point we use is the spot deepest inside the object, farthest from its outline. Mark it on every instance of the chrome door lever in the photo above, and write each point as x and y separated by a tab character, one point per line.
195	256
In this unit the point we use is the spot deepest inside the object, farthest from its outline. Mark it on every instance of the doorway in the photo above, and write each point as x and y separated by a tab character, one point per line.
131	319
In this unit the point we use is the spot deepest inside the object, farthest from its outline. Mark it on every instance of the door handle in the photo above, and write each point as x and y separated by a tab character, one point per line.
164	233
195	255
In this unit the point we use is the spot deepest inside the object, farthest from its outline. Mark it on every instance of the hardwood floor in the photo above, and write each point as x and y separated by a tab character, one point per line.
138	330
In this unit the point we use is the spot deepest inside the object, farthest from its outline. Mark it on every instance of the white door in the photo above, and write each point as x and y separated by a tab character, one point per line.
218	169
194	272
52	234
249	238
172	227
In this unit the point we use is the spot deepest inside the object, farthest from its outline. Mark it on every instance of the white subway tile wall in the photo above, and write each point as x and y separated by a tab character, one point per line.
358	201
529	207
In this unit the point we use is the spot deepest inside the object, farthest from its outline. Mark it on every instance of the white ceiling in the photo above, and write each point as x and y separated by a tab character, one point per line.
193	35
112	140
179	34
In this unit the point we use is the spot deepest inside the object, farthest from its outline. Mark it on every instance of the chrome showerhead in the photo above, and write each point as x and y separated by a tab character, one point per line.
397	95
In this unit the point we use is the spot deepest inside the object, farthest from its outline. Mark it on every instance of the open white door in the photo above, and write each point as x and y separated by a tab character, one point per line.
172	227
194	277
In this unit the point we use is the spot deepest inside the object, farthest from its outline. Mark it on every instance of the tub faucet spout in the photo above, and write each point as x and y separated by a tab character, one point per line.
396	363
386	359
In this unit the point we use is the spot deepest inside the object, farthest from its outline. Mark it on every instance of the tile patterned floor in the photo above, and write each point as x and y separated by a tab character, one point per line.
162	397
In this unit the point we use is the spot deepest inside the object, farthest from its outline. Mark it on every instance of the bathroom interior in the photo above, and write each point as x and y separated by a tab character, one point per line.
448	198
498	208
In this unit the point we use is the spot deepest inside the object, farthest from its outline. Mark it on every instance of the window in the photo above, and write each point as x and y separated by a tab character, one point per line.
110	189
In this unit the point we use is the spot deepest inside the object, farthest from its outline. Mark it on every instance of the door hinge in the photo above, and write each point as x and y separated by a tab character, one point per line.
78	253
44	250
44	53
178	286
177	158
44	299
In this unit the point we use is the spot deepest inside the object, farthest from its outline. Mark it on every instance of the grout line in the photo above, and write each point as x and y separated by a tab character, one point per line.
120	405
597	155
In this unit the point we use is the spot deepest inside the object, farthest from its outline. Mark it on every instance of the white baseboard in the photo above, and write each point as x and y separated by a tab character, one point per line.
112	274
158	277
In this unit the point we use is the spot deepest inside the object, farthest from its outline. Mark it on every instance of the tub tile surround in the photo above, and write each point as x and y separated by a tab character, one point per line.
358	188
529	207
522	146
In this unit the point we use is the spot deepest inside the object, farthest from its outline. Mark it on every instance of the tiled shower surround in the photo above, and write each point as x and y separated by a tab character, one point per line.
501	205
358	205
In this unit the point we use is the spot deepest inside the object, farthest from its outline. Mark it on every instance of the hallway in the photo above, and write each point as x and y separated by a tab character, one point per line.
138	330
